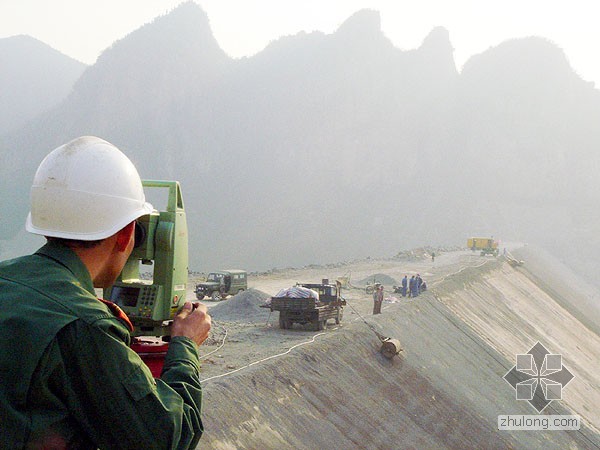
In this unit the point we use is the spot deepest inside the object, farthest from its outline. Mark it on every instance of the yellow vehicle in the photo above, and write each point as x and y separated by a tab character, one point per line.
487	246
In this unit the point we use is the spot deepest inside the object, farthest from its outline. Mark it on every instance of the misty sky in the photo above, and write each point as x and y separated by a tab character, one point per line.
82	29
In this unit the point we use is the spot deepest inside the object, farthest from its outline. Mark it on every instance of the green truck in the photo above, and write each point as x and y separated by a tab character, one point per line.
220	284
313	311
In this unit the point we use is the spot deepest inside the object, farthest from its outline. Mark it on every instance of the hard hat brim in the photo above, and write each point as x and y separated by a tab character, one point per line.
146	208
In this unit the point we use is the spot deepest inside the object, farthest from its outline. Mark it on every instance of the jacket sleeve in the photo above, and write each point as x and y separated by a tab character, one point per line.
114	398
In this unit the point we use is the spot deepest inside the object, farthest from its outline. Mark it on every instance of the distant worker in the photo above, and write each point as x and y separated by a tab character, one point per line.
404	285
377	299
419	281
69	377
411	286
432	256
414	291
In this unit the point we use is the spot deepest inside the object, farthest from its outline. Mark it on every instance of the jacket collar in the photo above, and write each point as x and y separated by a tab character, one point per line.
68	258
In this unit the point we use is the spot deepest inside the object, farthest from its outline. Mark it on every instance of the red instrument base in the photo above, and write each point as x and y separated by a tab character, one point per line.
152	351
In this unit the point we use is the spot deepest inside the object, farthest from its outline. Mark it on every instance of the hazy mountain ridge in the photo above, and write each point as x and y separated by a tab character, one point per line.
327	147
34	78
546	130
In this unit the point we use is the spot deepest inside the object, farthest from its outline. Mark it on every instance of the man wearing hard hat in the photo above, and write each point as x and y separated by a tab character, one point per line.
69	378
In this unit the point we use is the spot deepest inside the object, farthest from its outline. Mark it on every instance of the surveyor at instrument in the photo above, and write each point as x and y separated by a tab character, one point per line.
69	378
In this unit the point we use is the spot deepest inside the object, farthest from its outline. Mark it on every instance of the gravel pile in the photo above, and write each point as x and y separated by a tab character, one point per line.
245	306
379	278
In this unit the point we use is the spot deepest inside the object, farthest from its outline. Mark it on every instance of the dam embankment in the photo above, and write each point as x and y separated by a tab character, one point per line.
445	390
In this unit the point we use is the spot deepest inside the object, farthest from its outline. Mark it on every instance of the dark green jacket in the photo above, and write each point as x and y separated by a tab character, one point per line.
67	374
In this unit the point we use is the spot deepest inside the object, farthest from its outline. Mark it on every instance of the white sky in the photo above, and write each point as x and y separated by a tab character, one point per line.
82	29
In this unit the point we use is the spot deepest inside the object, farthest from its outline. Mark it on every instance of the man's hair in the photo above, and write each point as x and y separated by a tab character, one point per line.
74	243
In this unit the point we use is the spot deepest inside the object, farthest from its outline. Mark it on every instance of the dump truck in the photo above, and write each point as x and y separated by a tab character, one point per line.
485	245
311	310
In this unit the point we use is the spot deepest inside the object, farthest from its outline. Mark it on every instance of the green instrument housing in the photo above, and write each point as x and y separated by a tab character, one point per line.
162	241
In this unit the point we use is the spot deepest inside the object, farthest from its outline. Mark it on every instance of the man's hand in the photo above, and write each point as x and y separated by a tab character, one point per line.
192	321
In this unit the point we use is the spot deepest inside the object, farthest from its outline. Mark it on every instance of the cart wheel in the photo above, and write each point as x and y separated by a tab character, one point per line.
321	325
315	324
284	322
216	296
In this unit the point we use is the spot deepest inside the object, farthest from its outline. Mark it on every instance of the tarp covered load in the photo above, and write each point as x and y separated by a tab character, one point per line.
298	292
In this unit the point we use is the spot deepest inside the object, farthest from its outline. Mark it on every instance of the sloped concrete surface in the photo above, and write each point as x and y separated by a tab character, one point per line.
445	390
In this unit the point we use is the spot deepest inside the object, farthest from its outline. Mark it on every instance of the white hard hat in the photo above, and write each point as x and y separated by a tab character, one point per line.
87	190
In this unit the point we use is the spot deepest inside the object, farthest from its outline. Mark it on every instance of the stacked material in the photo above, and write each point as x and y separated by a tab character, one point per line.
298	292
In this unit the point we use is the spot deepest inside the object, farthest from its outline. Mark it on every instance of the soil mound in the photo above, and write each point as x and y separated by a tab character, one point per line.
379	278
245	306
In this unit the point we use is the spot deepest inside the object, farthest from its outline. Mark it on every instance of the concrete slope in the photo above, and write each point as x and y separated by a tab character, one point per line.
512	313
445	391
565	286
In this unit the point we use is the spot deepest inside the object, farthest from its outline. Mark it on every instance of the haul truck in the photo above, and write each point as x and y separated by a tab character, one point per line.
316	312
487	246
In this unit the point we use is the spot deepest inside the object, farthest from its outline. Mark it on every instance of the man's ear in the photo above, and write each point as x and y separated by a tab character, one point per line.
124	236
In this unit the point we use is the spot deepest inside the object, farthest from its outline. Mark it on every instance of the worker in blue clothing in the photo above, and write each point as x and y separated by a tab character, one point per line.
414	290
419	283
